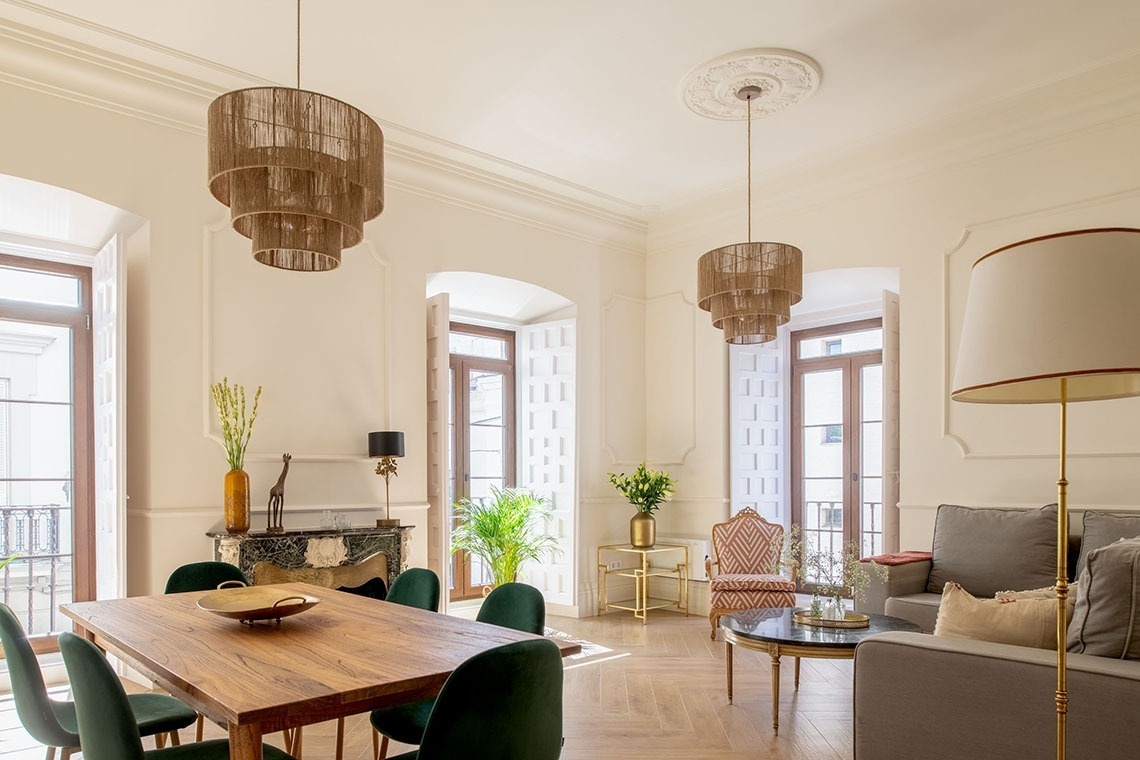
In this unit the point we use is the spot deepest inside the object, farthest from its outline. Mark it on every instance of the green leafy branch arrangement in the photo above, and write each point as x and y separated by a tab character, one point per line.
645	489
236	427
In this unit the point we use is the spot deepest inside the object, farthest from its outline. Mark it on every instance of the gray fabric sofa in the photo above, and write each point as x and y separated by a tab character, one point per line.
989	550
918	695
926	696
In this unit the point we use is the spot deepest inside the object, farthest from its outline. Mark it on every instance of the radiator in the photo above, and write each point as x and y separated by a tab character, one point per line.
699	548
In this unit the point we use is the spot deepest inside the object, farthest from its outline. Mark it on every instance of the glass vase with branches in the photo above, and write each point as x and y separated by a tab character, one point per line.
833	570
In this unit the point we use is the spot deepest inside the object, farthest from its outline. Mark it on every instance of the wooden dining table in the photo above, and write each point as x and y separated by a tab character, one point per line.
346	655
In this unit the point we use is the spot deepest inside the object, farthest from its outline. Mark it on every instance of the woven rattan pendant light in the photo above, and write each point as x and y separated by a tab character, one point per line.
300	171
750	288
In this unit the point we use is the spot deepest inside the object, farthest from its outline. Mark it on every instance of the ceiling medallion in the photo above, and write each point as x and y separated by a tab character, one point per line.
784	78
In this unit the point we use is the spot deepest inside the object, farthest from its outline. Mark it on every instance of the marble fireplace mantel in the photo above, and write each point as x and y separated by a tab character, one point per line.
314	547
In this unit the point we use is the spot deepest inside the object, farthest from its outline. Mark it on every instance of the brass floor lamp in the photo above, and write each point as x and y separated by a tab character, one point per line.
1053	320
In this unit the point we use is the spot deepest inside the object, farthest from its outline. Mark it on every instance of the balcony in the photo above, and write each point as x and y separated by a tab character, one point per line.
40	578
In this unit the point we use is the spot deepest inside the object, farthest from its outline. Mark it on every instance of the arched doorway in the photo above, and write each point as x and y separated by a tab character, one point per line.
511	412
62	341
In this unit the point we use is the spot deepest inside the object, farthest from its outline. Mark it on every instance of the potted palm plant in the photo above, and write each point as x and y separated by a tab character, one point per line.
646	490
504	530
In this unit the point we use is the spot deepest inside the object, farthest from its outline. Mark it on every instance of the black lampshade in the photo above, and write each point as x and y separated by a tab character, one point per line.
387	443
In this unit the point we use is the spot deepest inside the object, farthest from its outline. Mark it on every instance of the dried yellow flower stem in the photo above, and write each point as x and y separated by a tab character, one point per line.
236	428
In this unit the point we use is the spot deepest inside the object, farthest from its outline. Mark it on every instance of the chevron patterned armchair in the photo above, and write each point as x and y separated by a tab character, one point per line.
748	550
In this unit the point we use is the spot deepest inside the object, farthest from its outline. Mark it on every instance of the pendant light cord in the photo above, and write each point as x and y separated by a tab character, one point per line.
748	105
298	44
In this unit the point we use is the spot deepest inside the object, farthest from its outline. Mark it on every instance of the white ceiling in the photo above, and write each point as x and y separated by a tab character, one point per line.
588	92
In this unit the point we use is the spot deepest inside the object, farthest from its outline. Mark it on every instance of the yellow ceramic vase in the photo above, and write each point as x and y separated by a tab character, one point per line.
237	501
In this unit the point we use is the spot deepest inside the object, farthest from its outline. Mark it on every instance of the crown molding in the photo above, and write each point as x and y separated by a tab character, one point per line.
1094	98
176	95
60	55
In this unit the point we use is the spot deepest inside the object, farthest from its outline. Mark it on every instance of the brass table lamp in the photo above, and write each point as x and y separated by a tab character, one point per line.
1049	321
388	446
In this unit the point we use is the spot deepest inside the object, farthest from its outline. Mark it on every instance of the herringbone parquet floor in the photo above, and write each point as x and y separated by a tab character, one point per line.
663	698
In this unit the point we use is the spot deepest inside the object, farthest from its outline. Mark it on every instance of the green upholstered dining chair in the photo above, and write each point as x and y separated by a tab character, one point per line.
103	713
519	606
203	576
52	722
506	702
416	587
512	605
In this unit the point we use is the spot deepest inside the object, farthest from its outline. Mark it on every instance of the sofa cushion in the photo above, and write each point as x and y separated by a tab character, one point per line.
989	550
1101	529
1107	618
1024	622
920	609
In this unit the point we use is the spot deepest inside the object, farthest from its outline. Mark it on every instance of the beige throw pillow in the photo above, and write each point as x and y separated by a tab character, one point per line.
1049	592
1025	622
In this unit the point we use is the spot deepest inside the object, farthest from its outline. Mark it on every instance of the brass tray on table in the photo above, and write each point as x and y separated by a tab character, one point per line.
850	620
255	603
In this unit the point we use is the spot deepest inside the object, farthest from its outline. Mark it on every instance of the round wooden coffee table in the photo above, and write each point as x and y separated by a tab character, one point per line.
774	631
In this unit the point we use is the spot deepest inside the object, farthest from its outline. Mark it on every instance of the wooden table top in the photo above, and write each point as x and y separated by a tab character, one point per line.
348	654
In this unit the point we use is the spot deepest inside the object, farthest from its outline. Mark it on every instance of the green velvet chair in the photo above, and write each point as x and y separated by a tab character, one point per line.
515	605
502	704
203	576
106	729
512	605
52	722
416	587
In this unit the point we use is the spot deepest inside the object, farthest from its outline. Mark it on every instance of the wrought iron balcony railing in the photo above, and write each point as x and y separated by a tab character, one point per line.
40	578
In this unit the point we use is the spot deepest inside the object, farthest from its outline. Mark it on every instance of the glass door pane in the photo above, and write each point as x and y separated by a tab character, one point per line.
36	484
487	444
871	458
822	455
837	456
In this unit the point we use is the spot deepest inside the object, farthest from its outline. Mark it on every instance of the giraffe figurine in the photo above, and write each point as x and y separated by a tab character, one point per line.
277	499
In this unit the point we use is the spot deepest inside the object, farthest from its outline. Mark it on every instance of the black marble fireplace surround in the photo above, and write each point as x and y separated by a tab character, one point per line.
315	547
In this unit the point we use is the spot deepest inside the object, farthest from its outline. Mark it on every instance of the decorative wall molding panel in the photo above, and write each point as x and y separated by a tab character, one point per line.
301	515
1096	430
671	394
623	393
255	324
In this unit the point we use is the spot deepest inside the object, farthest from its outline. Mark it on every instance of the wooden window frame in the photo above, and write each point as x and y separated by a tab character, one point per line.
78	320
460	364
852	364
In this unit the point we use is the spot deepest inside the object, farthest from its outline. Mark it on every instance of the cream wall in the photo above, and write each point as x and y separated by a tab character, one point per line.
338	354
341	357
931	222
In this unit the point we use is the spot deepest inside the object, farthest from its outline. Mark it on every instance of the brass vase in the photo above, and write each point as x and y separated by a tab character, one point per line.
237	501
642	530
